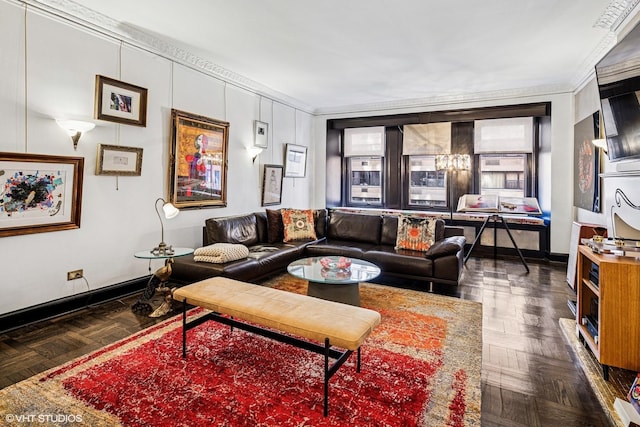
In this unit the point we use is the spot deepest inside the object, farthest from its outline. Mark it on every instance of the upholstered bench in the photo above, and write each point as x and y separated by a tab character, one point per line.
283	316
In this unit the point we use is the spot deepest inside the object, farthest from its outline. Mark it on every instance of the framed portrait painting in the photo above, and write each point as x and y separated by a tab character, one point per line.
120	102
39	193
272	185
118	160
295	161
198	161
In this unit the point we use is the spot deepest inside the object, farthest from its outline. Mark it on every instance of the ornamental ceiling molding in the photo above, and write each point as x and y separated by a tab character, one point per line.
96	21
615	13
449	100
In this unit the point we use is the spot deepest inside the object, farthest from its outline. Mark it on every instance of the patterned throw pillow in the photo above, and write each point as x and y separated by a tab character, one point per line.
298	224
415	233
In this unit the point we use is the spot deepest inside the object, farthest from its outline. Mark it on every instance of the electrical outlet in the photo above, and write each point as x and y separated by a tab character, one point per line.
75	274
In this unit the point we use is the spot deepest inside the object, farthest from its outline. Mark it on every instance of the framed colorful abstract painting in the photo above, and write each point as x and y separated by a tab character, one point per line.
198	161
39	193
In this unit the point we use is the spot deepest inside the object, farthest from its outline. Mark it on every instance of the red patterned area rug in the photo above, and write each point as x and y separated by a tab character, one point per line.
420	367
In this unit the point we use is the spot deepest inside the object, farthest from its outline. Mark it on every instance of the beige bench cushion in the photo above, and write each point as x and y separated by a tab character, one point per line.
346	326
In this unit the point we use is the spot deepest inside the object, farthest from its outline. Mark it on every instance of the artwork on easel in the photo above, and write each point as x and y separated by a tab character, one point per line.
495	204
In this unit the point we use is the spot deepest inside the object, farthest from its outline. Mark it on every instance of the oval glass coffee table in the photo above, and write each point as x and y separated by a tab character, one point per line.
340	285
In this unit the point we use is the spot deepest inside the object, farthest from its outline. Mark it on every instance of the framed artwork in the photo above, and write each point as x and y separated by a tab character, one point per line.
260	134
198	161
295	161
117	160
586	186
120	102
272	185
39	193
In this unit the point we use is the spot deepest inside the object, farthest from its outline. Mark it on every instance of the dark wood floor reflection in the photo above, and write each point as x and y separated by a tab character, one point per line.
530	375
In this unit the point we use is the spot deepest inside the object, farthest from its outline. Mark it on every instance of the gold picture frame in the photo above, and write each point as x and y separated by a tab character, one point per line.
118	160
40	193
120	102
198	161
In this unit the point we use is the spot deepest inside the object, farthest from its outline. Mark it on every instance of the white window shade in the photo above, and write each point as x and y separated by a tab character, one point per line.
364	141
513	135
430	138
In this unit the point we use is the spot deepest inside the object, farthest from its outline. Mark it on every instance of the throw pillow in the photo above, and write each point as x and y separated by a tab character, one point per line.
275	227
298	224
415	233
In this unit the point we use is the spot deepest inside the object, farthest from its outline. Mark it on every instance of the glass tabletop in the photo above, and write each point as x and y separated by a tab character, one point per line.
177	252
311	269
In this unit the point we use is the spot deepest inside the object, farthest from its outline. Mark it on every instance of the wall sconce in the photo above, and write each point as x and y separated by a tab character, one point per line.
452	163
170	211
75	128
254	152
600	143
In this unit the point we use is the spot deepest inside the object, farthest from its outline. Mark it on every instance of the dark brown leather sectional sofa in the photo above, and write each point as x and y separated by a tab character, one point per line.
356	235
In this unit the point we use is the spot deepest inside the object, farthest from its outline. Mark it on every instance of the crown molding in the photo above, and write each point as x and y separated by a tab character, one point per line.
133	36
448	100
615	13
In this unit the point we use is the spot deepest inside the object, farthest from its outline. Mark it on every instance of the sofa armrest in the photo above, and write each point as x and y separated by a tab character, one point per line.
447	246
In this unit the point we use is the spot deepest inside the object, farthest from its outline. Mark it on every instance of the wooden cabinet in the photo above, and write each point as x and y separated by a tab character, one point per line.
608	308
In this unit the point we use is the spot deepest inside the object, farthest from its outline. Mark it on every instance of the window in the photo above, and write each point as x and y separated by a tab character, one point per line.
427	187
503	148
389	161
364	151
420	144
365	176
502	174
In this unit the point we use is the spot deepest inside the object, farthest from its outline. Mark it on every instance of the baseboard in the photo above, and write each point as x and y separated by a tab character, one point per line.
26	316
556	257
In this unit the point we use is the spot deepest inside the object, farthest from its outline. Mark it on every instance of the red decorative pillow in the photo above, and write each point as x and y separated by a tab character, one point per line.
275	227
417	234
298	224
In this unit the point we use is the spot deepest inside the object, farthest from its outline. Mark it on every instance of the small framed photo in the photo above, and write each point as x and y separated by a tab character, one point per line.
272	185
120	102
117	160
260	134
295	161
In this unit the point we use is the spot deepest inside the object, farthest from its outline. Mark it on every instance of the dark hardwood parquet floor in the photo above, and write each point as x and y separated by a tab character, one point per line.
530	375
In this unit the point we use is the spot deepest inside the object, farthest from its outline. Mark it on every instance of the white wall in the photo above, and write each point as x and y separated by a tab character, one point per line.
587	102
56	67
555	165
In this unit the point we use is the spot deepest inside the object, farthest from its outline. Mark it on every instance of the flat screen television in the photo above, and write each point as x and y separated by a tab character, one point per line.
618	76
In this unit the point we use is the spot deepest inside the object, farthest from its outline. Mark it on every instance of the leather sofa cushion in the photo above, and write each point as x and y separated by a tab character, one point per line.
389	230
275	226
354	227
402	262
242	229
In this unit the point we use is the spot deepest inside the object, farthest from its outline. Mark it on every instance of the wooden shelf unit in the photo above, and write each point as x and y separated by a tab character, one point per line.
617	342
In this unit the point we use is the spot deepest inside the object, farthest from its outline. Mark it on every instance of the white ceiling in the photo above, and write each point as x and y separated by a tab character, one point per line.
333	55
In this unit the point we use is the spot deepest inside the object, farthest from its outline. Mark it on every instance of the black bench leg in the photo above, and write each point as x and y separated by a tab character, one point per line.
358	364
184	328
326	376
